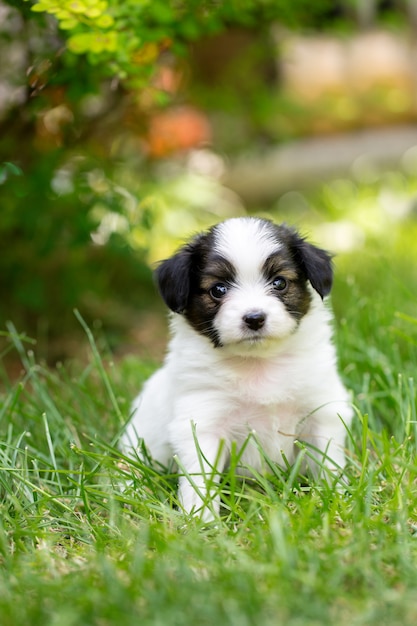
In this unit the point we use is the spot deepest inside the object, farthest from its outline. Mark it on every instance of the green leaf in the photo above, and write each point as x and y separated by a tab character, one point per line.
80	43
11	168
68	24
105	21
77	7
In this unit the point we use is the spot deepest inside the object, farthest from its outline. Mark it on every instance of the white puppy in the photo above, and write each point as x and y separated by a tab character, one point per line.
251	352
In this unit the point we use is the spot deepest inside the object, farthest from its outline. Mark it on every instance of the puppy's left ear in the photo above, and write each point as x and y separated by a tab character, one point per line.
316	265
173	278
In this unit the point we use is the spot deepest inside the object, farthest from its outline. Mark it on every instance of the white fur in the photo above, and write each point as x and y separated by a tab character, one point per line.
246	243
281	385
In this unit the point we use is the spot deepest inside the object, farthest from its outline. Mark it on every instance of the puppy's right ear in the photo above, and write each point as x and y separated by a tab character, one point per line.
173	278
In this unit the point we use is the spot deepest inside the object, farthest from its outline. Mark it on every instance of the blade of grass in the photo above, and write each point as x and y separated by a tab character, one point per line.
99	364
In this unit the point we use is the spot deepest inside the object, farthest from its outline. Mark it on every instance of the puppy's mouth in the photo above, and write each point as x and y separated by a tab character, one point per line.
256	344
253	338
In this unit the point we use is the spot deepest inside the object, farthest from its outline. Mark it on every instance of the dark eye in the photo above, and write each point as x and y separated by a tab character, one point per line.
279	284
218	291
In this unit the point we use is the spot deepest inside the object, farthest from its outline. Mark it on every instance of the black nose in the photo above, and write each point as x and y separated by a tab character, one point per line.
254	320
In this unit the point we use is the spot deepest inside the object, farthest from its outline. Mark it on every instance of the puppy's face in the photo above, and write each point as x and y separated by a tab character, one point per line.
244	283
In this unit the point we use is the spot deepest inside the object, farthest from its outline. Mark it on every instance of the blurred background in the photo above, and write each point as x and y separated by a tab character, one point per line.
126	127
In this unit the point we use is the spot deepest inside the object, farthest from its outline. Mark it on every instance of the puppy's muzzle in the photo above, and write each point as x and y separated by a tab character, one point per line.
254	320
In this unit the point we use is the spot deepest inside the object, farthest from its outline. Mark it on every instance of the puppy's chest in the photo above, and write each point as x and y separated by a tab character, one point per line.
265	384
274	426
266	400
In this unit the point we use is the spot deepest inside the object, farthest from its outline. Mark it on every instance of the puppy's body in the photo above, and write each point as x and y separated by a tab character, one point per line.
251	352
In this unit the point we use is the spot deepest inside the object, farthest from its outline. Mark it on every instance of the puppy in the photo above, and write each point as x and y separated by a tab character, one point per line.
251	353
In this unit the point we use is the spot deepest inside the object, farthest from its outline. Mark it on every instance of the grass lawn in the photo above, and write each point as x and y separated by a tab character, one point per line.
87	539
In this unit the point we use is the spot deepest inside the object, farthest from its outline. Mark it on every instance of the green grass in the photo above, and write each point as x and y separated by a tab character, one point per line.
89	539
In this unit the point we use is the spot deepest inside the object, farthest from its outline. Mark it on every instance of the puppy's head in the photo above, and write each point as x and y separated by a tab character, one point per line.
245	282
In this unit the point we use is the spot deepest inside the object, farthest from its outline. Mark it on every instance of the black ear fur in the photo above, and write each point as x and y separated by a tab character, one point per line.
173	277
177	276
315	263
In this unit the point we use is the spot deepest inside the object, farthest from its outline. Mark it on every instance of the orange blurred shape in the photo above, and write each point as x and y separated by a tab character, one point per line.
168	79
176	130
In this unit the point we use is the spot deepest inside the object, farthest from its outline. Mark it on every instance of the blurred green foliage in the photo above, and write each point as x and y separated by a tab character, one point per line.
126	36
48	265
86	207
80	208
